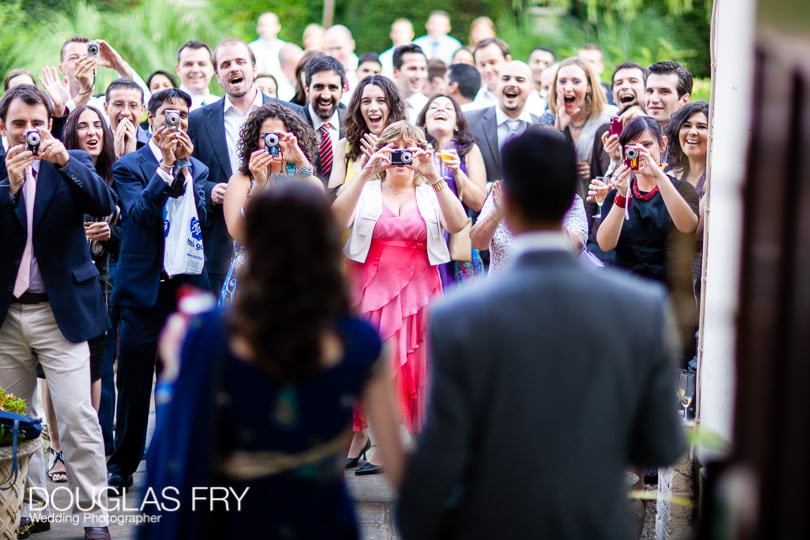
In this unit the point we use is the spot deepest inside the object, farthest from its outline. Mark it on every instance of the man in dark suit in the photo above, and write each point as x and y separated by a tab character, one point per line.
214	131
325	80
51	303
556	396
492	126
144	292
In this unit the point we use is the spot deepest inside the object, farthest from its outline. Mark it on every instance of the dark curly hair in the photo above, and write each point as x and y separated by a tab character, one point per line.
106	158
677	159
291	287
355	124
295	124
461	135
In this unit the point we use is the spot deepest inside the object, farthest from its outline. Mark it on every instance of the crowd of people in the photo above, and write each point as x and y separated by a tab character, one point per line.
432	164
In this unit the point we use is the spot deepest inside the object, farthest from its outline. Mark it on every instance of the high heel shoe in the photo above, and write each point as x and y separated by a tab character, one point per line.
352	462
369	468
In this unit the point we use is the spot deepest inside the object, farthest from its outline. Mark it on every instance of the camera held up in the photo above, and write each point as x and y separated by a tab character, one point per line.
32	141
272	143
400	156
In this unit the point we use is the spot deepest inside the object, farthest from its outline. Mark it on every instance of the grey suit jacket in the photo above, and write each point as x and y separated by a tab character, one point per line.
483	124
538	405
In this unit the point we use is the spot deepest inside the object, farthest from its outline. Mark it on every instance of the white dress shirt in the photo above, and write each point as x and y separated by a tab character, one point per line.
333	127
233	123
199	100
509	127
414	105
441	47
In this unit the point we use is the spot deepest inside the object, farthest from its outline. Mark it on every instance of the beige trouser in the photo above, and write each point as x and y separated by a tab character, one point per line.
29	333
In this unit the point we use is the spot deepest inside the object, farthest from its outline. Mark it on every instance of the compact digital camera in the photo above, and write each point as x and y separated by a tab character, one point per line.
272	143
171	118
400	156
92	50
32	140
631	156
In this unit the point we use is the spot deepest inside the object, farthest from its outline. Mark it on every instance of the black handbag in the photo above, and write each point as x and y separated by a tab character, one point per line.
18	426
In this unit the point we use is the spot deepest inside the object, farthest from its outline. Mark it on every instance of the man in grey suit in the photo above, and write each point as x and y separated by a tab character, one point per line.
214	131
539	401
493	125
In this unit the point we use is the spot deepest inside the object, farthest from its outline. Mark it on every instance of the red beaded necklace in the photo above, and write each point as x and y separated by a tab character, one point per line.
637	194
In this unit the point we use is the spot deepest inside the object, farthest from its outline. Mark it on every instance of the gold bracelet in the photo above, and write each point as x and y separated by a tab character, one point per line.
438	186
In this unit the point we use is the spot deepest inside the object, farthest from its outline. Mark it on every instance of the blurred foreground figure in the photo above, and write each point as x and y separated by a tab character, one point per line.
535	393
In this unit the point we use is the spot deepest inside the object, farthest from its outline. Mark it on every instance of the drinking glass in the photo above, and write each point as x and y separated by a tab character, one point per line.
686	389
600	193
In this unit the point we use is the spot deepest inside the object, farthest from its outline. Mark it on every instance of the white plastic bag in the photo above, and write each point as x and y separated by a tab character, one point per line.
182	233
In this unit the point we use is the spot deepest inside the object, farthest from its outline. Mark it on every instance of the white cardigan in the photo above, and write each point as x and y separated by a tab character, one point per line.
368	211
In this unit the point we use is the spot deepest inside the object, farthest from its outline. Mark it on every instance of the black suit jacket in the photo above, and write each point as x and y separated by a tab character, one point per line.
341	134
206	128
143	194
483	124
63	197
534	395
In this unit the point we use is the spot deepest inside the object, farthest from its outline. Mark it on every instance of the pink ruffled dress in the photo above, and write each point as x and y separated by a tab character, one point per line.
392	289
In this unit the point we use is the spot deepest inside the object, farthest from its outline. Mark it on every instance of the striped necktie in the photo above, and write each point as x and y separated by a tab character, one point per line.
325	150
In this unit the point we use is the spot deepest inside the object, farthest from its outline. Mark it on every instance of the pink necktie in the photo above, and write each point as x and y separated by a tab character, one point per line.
24	271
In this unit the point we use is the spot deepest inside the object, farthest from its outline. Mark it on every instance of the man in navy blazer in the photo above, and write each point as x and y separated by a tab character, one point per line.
492	126
50	302
325	80
146	295
214	131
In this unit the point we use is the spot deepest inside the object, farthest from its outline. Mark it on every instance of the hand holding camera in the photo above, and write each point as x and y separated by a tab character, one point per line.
46	147
378	161
259	166
17	159
621	179
367	145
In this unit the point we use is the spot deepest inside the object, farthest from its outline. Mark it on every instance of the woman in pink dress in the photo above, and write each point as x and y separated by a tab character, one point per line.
397	208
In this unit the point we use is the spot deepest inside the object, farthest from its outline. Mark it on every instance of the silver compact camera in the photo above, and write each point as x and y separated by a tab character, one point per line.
171	118
272	143
32	140
92	50
400	156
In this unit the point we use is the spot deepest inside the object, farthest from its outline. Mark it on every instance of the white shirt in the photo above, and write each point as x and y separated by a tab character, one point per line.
387	62
333	127
509	127
267	55
199	100
414	105
441	47
233	123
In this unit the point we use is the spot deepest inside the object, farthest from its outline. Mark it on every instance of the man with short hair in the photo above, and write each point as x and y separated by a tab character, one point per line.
124	107
435	84
195	68
490	54
339	44
50	302
81	70
437	43
214	131
668	88
539	59
145	293
571	411
368	64
401	34
463	82
494	125
410	75
324	111
592	55
267	46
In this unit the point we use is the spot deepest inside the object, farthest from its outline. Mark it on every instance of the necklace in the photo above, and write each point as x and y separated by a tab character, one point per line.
578	126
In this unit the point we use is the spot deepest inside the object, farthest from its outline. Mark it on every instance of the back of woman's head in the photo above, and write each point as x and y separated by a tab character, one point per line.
106	158
295	124
677	159
355	123
639	125
291	287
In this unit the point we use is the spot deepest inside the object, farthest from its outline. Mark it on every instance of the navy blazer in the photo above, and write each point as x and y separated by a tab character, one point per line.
63	197
143	194
484	125
206	127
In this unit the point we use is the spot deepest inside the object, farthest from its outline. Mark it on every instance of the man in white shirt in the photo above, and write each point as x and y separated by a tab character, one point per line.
437	43
410	76
340	45
267	46
195	68
401	34
324	112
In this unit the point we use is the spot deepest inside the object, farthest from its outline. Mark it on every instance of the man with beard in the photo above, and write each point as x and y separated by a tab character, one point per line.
410	76
214	131
324	112
494	125
628	92
124	106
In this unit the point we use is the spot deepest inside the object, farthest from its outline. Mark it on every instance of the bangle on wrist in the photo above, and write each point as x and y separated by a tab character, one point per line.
305	171
620	201
438	186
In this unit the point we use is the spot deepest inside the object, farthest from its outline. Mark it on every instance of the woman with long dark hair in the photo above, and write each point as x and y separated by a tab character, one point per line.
375	105
459	161
265	391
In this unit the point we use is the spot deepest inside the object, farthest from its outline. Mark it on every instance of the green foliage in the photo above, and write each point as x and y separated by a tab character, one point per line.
239	18
9	403
645	37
